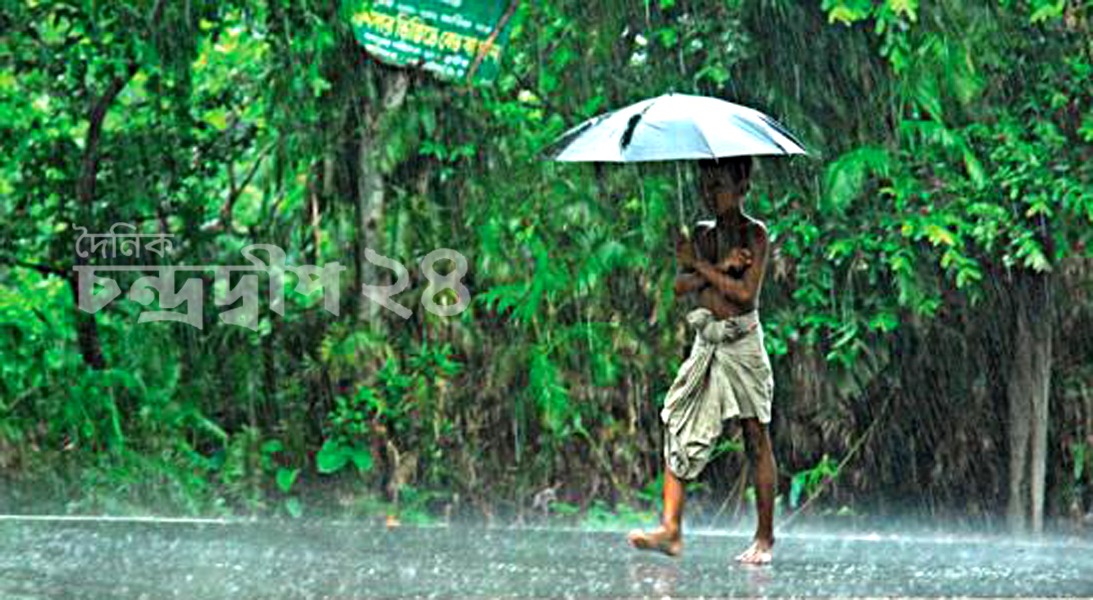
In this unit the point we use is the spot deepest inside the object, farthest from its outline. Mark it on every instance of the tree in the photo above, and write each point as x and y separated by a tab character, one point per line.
993	196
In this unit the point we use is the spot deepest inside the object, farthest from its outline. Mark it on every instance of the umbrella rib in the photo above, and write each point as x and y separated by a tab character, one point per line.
775	125
562	144
705	140
759	132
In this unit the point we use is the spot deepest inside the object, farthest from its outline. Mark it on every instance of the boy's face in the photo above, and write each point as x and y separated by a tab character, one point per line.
720	190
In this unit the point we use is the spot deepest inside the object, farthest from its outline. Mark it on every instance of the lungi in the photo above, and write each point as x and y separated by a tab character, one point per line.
727	375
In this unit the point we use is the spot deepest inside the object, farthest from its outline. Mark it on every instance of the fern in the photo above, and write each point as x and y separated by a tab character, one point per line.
551	397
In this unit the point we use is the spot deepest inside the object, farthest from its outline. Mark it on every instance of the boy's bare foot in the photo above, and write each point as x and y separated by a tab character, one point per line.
660	539
759	553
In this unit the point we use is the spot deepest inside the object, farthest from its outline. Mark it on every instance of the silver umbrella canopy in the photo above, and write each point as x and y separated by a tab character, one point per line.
674	127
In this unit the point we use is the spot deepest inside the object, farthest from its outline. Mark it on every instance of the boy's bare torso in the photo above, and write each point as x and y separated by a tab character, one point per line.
732	250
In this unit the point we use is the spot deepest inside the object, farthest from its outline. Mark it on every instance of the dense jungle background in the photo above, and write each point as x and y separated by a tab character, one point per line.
929	307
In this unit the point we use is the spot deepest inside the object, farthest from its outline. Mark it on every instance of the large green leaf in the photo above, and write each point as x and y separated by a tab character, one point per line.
332	457
285	479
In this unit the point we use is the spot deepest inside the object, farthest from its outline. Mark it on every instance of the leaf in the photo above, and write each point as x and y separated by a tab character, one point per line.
907	8
926	91
550	393
726	446
285	479
715	72
561	58
846	176
1086	130
975	169
1046	9
294	508
796	487
668	37
846	15
848	332
939	235
362	459
272	446
563	508
218	118
331	457
884	322
840	248
503	297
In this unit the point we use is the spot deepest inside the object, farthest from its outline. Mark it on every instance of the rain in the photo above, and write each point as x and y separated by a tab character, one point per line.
442	298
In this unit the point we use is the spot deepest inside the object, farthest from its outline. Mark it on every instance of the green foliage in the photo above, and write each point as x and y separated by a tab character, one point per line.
334	455
564	509
892	20
550	394
952	150
1043	10
653	491
847	175
810	481
416	505
601	516
735	445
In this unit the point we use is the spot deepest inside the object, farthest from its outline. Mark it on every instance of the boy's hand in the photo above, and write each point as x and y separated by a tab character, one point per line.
739	259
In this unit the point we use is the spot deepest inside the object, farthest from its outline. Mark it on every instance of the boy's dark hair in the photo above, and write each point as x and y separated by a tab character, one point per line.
736	167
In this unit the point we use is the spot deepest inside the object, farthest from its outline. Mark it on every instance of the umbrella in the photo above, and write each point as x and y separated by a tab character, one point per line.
674	127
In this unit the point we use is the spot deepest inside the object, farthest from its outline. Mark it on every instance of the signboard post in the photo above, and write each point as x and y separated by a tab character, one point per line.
455	39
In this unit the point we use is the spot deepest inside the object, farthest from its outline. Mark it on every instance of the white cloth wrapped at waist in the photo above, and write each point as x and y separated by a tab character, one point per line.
727	375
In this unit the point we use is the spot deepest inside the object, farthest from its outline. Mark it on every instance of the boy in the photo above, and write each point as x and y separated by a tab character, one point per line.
728	373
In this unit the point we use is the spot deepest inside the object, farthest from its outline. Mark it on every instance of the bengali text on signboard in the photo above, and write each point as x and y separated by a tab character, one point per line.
445	37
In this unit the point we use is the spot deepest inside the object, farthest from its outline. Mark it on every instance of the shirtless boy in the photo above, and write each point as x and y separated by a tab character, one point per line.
728	373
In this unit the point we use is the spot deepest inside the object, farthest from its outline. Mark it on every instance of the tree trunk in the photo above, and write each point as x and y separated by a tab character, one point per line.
369	213
87	329
1027	391
371	188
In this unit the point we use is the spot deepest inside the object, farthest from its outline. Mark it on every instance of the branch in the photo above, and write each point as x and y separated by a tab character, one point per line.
233	195
839	469
89	165
157	12
85	185
484	48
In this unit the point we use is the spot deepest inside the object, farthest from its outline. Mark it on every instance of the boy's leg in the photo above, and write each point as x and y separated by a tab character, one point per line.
673	503
761	458
668	538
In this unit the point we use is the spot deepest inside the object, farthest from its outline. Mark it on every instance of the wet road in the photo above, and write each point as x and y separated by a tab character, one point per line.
291	560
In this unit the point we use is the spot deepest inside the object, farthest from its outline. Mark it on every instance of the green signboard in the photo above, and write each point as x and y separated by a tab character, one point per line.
448	37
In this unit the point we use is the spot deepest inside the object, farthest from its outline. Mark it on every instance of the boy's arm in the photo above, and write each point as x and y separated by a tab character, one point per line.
687	280
739	291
